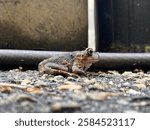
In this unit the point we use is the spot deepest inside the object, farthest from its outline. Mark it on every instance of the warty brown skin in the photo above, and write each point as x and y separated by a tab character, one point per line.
73	64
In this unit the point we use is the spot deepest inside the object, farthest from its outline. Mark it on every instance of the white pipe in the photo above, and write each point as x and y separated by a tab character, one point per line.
91	25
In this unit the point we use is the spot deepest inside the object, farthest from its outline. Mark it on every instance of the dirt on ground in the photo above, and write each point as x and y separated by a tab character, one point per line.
98	92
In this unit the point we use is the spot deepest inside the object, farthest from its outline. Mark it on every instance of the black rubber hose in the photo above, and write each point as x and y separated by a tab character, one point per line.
30	58
25	57
124	60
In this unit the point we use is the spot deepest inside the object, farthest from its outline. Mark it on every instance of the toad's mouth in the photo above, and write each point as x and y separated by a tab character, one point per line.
94	58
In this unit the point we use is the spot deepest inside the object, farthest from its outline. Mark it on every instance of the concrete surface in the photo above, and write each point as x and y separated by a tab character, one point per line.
43	24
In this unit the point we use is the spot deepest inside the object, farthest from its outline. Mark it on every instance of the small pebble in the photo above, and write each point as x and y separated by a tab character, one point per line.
59	77
71	79
98	86
126	84
40	83
89	81
140	86
5	89
25	82
70	87
101	95
34	90
79	95
23	97
132	91
111	83
68	106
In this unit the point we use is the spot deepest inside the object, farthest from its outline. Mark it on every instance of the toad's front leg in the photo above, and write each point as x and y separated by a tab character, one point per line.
77	70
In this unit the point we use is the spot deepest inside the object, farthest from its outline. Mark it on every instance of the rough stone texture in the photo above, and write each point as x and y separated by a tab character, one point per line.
98	92
43	24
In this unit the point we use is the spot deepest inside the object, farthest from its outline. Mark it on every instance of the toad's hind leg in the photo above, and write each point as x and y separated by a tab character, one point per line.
55	69
61	72
51	68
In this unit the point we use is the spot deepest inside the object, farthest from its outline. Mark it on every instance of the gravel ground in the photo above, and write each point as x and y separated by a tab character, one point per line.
110	91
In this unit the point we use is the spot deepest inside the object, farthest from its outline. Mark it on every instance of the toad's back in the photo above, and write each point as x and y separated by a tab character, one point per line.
66	60
59	59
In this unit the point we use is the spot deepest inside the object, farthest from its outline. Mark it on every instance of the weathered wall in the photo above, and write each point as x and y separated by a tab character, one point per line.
43	24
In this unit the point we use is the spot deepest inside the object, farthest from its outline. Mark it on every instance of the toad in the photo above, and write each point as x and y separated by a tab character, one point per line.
73	64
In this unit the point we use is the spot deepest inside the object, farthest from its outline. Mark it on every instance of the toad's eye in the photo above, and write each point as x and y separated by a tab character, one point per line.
90	51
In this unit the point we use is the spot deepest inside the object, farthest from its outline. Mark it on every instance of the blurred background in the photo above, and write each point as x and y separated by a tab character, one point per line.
43	24
68	25
123	25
